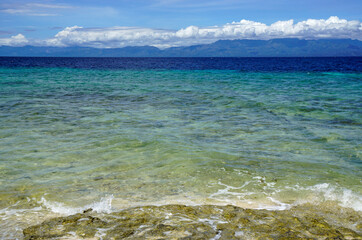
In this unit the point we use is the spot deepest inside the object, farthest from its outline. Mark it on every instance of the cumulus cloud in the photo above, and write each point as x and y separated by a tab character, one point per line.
110	37
113	37
14	41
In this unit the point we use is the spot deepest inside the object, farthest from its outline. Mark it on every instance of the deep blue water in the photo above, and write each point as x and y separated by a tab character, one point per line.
323	64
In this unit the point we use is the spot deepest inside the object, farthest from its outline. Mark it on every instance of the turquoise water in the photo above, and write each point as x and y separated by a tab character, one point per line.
110	139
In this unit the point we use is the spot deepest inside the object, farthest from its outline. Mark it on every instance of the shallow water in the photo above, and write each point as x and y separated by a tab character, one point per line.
109	139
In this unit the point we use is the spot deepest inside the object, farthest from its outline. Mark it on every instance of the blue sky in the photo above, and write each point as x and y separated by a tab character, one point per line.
33	22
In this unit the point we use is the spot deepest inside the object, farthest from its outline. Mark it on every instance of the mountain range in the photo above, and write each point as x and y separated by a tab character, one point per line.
290	47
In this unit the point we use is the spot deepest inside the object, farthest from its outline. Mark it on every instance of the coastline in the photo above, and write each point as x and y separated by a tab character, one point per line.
203	221
54	220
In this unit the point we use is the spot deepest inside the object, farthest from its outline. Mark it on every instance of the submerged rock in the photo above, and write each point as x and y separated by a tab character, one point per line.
201	222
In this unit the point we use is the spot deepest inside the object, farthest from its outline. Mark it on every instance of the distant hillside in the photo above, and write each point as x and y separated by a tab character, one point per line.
223	48
273	48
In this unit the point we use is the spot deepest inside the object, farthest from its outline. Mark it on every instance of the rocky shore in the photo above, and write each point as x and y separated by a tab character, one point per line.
203	222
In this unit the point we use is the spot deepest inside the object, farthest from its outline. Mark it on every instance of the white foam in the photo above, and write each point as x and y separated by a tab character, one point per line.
235	196
102	206
224	194
345	197
316	194
279	205
228	191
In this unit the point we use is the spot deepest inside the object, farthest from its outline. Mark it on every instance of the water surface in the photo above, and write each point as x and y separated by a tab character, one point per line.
78	133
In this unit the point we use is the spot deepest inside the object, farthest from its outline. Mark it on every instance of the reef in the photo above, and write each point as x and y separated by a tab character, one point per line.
202	222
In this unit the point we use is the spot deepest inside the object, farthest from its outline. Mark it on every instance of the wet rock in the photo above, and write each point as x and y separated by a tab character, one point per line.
196	222
87	210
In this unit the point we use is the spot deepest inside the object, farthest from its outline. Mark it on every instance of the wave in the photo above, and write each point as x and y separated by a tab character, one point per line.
104	205
316	194
15	217
345	197
229	195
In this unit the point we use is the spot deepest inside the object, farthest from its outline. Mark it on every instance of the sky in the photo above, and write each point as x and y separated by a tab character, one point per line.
170	23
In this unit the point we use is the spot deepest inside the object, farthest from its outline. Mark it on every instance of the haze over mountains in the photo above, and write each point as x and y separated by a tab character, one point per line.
288	47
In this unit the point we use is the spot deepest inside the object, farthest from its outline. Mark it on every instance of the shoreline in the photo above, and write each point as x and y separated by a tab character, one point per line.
38	214
203	221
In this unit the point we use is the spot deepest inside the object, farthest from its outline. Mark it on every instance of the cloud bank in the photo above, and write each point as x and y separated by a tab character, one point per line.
115	37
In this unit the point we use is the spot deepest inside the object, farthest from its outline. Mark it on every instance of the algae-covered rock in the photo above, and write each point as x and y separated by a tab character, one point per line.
198	222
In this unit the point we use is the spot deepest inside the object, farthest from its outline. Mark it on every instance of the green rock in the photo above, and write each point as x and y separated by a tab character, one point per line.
199	222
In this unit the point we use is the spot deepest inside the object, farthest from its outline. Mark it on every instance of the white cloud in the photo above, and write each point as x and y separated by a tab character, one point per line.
110	37
134	36
35	9
15	41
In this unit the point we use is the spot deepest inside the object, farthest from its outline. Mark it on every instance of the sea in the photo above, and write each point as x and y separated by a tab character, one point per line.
117	133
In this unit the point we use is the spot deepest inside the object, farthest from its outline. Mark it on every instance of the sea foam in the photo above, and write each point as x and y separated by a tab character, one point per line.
344	197
104	205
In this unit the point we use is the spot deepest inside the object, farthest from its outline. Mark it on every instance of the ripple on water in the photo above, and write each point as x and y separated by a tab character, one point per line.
253	140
